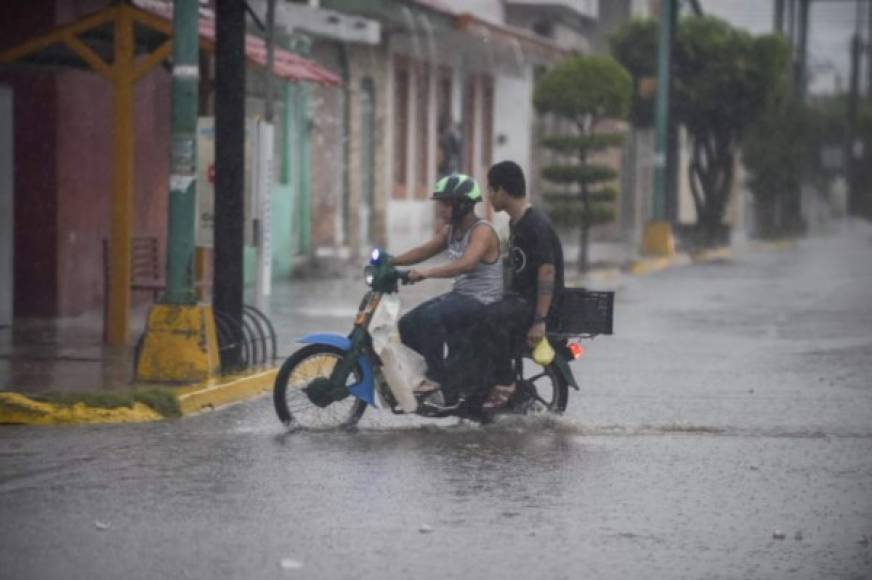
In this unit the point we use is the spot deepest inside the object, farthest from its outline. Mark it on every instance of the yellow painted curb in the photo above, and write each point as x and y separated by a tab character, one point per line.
216	394
17	409
710	255
774	245
595	277
652	265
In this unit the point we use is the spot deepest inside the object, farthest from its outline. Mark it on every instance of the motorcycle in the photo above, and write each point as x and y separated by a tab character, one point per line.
333	379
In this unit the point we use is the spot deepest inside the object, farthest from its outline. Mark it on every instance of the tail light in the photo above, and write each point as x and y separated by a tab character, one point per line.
576	350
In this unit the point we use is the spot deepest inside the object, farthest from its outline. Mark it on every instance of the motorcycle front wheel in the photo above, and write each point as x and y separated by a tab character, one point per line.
293	405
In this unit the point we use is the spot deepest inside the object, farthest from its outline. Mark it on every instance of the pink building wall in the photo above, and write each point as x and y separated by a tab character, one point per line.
63	169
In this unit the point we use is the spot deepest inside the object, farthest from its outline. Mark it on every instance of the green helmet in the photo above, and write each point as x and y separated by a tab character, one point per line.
457	187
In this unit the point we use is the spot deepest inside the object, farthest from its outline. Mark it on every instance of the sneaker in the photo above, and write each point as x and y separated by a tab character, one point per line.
498	397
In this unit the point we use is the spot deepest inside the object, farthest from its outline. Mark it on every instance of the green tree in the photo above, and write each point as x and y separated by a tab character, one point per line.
775	152
634	45
585	91
724	79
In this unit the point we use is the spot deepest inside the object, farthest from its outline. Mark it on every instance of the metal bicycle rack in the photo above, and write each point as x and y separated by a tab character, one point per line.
256	340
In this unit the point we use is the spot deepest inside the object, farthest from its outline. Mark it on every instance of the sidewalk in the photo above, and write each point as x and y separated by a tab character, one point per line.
67	354
58	371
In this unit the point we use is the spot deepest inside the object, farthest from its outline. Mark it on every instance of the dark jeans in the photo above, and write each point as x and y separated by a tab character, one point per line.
484	356
501	336
429	326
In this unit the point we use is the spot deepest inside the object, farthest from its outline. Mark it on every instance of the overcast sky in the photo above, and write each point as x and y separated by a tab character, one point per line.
831	25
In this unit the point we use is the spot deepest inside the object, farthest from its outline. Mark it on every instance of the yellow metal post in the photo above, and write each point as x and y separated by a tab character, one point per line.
657	240
122	180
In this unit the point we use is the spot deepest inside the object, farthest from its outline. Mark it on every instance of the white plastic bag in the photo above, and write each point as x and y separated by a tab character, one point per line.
403	368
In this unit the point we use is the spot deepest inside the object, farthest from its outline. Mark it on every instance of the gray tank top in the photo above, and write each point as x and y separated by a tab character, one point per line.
485	282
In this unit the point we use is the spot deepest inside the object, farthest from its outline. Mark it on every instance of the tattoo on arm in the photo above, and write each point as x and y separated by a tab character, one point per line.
546	287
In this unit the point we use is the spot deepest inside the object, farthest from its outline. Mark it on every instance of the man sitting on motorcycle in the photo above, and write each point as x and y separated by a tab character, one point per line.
474	262
532	303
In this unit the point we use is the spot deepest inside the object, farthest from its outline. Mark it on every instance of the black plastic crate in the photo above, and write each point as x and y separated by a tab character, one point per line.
585	312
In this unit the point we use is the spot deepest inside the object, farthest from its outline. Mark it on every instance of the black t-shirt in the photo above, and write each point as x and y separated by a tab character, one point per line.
534	243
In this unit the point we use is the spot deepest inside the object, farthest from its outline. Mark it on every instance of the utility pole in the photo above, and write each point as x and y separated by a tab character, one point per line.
673	154
778	24
657	238
264	171
270	58
854	205
869	51
183	155
229	166
664	58
802	50
180	344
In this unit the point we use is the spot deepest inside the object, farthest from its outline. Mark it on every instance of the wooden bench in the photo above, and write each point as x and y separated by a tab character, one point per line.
146	273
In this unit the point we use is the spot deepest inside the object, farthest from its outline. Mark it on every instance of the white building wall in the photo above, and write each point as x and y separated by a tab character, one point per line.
641	8
569	38
411	224
488	9
513	127
409	221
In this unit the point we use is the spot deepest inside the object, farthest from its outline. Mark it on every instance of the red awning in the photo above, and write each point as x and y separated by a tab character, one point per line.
286	65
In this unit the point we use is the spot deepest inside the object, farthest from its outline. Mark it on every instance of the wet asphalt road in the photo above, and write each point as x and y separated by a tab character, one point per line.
733	408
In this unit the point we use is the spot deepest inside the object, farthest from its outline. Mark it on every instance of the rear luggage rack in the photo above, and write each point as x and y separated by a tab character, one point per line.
584	313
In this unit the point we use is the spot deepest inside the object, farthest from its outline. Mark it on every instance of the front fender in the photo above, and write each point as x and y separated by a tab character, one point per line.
363	390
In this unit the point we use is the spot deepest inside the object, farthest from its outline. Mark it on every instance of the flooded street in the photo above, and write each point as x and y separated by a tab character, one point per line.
724	431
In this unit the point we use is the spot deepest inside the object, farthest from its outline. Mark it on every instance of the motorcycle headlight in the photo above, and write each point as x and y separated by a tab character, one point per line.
369	275
375	256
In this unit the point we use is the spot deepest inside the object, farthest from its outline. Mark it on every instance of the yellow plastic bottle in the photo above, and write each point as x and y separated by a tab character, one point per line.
543	353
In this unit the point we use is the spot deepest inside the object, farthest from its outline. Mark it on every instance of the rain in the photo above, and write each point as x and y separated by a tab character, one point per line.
264	265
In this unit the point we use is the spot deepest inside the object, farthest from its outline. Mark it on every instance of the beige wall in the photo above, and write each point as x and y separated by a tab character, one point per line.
368	62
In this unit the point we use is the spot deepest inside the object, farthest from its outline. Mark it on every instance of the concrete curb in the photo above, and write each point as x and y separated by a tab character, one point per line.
194	400
703	256
774	245
19	409
611	276
645	266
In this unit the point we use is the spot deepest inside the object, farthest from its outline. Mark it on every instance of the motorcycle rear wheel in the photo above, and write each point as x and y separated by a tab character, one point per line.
294	407
550	388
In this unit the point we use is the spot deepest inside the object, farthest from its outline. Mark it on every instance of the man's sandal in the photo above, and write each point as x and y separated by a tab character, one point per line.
426	386
498	397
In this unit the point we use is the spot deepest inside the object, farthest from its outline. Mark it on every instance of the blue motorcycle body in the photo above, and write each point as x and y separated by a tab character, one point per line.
365	388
